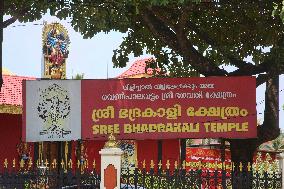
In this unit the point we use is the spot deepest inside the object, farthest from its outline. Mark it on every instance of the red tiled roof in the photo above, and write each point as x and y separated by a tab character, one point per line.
11	91
138	67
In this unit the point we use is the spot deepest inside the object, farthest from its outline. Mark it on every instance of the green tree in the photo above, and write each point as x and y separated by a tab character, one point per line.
278	9
186	36
78	76
24	11
275	145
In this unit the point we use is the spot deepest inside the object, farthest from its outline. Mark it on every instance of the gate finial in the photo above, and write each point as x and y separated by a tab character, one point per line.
111	143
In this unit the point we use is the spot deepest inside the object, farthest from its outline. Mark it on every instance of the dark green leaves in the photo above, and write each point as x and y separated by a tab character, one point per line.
219	31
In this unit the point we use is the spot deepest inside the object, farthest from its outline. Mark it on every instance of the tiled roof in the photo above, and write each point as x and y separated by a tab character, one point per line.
5	71
11	91
138	67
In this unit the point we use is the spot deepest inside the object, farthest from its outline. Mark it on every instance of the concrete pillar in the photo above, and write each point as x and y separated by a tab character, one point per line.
110	165
281	164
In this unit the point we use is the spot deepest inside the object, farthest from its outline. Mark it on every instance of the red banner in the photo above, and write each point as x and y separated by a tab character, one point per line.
162	108
207	159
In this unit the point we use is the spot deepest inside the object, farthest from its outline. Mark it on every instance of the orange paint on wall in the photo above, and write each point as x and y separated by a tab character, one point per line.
110	177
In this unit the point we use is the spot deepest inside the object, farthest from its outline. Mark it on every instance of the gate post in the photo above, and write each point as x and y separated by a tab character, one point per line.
110	164
281	162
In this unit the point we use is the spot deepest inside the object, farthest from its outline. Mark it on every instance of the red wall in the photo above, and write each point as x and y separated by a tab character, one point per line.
171	152
148	150
10	136
93	148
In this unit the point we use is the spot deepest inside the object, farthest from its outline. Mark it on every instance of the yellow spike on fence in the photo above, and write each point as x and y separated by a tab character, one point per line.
70	164
160	164
241	166
5	163
152	165
233	166
176	164
14	163
168	164
94	164
249	166
62	164
30	164
22	164
46	163
78	164
144	164
183	164
54	164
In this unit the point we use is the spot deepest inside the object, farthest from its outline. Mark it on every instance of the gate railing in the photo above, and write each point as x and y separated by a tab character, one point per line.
45	175
184	177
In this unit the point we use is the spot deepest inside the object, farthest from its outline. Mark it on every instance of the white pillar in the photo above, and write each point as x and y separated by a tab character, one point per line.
281	164
110	156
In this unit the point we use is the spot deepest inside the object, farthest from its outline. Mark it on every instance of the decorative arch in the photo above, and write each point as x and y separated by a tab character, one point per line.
110	177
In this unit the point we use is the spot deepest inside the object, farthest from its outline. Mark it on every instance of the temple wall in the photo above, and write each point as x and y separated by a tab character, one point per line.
10	136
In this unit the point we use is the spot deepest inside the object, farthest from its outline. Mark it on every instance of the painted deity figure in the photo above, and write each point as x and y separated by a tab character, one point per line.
81	153
24	151
55	51
57	47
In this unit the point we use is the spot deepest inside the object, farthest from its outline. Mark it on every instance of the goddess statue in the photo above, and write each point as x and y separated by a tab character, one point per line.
55	50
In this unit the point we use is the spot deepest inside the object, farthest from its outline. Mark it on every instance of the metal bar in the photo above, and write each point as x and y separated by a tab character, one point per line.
182	150
160	151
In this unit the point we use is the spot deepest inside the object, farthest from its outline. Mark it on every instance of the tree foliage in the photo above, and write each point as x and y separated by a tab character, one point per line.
182	35
185	36
78	76
279	10
275	145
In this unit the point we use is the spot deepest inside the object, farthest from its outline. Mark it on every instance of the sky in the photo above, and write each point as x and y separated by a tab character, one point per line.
22	55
